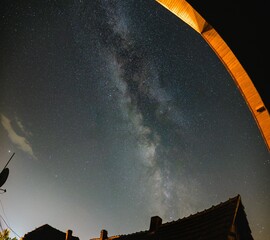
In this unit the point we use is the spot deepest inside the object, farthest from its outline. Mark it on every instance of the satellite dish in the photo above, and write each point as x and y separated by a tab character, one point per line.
4	176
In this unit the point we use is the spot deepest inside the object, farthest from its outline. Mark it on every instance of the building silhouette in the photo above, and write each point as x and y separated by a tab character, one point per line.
225	221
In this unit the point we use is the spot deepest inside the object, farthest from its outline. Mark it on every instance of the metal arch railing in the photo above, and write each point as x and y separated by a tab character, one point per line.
190	16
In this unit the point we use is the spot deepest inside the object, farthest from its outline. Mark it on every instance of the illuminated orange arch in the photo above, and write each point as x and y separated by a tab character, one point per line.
189	15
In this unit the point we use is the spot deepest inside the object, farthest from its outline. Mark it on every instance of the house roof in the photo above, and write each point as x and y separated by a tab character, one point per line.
46	232
213	223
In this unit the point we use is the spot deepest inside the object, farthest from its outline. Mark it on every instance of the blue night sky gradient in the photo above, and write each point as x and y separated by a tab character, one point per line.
118	111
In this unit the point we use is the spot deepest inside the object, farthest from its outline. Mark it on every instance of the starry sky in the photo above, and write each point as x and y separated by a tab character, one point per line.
118	111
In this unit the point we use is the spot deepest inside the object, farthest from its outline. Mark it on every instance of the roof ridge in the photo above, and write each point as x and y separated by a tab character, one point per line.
237	207
44	226
140	232
212	208
237	198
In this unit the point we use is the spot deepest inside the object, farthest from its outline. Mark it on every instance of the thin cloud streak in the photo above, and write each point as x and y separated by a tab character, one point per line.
20	142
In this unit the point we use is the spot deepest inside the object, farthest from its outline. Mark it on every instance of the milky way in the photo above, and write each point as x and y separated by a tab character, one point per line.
155	121
118	111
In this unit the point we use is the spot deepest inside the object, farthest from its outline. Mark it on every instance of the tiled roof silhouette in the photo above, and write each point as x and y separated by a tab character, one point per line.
46	232
228	219
225	221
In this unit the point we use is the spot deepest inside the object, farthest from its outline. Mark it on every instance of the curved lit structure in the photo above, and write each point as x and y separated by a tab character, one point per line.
189	15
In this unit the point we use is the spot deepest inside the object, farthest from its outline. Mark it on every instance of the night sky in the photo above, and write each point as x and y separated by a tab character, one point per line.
118	111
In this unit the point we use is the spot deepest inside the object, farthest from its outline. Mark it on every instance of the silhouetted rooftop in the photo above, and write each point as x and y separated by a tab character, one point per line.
46	232
217	222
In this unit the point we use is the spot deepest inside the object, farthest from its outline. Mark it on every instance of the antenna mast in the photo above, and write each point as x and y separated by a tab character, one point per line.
9	160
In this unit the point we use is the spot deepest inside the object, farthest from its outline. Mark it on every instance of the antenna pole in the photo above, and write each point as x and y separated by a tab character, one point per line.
9	160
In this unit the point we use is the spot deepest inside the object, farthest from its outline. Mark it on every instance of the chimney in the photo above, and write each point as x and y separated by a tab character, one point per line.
69	235
156	222
103	234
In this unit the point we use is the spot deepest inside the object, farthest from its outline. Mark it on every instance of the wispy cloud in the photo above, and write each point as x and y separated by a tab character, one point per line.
22	128
20	141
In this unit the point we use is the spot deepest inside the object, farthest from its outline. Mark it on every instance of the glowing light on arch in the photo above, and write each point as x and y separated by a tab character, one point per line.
189	15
